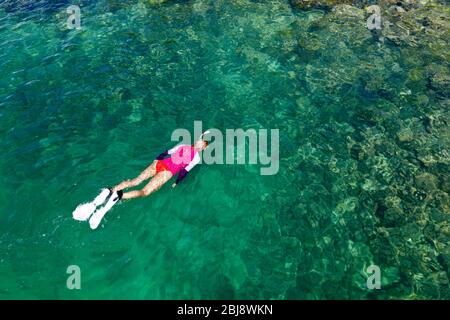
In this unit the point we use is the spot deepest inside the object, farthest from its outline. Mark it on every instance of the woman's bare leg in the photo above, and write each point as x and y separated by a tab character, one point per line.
149	172
157	182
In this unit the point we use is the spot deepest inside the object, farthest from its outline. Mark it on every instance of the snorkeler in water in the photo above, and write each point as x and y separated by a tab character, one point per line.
181	160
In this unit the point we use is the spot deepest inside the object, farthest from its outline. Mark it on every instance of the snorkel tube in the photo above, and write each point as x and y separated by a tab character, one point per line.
201	136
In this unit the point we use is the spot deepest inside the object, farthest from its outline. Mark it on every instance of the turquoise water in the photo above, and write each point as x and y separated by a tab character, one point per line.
364	156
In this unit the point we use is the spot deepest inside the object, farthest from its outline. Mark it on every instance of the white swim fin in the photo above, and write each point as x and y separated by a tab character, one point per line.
85	210
100	213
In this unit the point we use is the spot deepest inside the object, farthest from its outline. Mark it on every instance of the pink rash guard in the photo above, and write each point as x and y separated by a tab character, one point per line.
182	157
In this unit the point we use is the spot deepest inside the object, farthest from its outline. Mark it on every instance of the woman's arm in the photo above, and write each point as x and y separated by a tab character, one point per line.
170	151
162	155
183	172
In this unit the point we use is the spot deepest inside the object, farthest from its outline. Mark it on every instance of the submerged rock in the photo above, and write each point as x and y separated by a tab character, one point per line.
156	1
439	80
405	135
308	4
426	181
348	10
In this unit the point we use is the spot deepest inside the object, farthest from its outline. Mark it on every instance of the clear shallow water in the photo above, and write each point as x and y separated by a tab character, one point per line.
84	109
